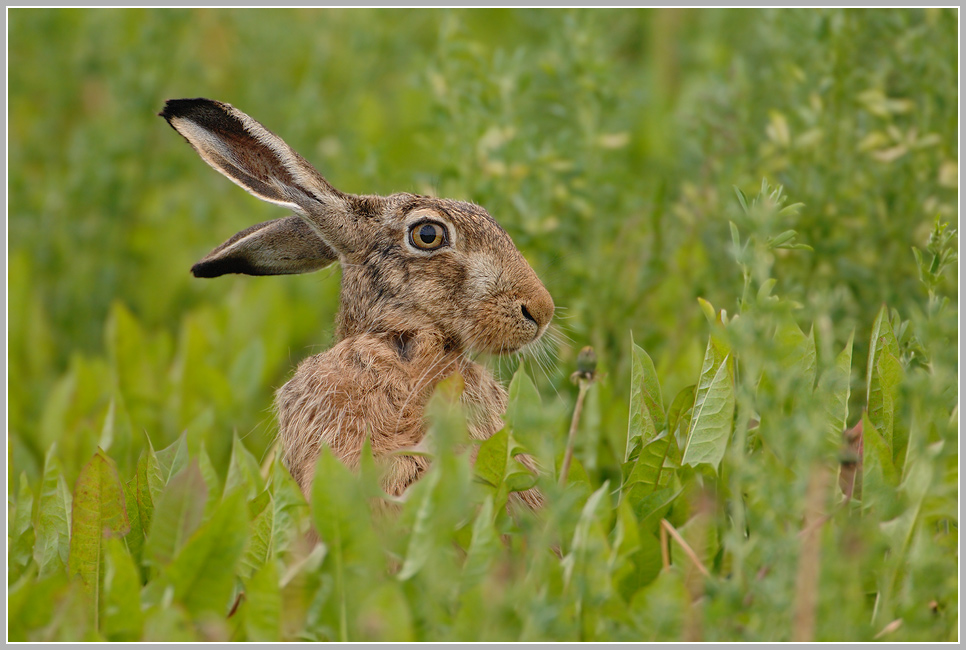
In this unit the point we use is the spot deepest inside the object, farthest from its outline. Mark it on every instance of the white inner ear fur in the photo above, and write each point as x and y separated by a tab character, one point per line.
208	144
424	214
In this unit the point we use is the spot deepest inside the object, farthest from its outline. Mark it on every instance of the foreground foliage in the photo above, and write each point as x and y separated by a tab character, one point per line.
771	454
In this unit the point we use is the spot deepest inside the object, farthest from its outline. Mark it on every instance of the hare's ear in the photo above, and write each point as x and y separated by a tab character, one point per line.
259	161
278	247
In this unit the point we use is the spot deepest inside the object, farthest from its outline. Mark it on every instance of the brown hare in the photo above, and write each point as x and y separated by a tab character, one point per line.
425	283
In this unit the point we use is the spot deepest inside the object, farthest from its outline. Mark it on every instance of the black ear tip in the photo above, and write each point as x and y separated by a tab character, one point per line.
184	107
203	270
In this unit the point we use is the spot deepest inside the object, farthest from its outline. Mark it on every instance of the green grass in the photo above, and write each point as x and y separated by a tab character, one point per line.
740	326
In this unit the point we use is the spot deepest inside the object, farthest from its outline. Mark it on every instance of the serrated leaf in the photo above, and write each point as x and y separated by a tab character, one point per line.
53	518
711	421
150	483
98	512
178	514
834	388
244	472
883	341
646	404
796	354
289	505
203	573
122	617
173	459
260	547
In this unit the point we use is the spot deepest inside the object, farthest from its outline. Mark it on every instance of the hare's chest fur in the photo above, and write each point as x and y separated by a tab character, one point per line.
372	384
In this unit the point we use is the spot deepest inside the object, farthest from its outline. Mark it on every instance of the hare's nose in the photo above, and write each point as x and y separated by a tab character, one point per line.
538	308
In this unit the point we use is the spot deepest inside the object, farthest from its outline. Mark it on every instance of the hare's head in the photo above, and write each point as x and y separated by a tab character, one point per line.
410	263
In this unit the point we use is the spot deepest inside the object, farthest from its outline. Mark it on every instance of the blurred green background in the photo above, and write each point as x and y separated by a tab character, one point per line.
607	142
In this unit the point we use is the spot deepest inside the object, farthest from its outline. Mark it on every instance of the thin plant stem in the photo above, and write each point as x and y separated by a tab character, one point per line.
572	436
684	545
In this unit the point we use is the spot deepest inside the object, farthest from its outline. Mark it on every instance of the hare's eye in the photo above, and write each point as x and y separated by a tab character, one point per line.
427	235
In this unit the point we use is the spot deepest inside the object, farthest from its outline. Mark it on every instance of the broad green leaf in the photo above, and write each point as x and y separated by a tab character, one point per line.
261	546
484	545
246	371
211	479
650	506
916	486
289	504
491	460
526	415
340	510
171	460
879	475
834	391
421	540
640	568
107	430
134	540
882	404
121	618
263	605
384	612
646	404
53	517
41	607
795	357
880	390
243	471
651	465
589	541
662	607
168	624
21	536
178	514
711	422
519	481
203	573
149	485
679	418
98	512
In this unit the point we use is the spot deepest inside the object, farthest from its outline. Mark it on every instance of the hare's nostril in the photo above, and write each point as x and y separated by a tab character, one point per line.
527	315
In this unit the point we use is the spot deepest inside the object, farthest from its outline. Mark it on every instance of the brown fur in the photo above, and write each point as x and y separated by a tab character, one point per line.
408	317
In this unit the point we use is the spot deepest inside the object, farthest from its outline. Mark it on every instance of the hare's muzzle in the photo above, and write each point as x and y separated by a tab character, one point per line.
537	308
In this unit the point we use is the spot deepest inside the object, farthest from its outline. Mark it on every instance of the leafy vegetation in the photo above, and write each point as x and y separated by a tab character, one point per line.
767	448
